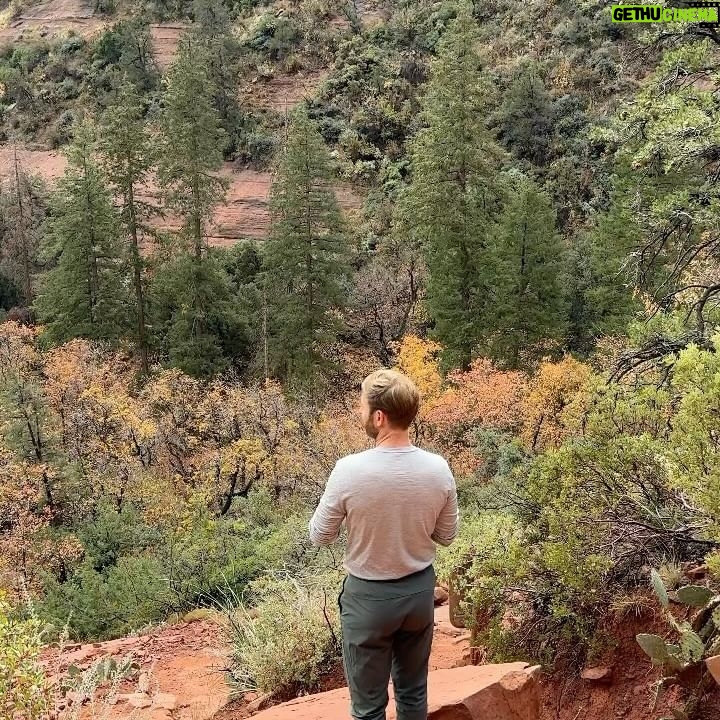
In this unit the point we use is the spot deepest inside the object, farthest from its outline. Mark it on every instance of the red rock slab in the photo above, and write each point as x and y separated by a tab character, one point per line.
713	665
489	692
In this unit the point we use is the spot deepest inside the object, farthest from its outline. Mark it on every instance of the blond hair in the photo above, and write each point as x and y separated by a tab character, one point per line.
393	393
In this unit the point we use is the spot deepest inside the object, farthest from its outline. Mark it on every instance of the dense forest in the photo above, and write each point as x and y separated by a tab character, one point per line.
533	238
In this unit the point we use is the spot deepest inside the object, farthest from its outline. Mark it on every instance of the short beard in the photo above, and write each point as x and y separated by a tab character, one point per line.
370	428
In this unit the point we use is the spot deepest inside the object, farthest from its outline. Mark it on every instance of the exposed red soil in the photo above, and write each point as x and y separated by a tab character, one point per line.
187	661
183	660
54	18
165	38
282	92
46	164
566	696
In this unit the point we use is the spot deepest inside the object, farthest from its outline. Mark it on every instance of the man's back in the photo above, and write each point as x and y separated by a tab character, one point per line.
395	501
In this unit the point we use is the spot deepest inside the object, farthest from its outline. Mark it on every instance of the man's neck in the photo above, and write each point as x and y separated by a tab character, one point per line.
393	439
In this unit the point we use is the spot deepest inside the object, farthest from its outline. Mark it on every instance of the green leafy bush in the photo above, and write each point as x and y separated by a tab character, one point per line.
23	692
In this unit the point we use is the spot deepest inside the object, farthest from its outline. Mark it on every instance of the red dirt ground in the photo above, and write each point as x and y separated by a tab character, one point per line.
187	661
629	696
282	92
53	18
165	39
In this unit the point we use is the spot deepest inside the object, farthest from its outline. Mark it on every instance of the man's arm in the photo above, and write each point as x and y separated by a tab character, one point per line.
446	527
328	517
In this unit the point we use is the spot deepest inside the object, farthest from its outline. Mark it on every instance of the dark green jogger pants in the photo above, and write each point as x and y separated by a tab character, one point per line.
387	631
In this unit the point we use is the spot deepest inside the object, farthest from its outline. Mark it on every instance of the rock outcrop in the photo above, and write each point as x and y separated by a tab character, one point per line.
489	692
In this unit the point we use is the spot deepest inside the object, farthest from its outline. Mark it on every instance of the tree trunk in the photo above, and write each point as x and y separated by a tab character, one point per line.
23	239
137	280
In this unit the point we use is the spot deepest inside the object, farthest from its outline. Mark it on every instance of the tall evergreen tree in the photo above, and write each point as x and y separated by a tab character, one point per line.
128	155
192	142
528	261
525	117
195	308
306	260
603	276
213	30
454	195
85	294
21	216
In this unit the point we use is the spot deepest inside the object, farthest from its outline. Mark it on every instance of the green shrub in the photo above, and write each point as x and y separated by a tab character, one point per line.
286	642
489	555
23	693
103	605
112	535
256	149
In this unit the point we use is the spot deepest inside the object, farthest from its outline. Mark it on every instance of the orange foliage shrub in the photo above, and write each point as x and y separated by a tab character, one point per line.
555	402
482	397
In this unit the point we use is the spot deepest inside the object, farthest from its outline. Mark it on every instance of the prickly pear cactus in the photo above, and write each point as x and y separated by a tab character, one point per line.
693	646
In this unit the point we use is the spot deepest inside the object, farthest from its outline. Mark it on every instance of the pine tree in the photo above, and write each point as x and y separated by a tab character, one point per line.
192	142
85	294
602	276
195	308
528	261
306	260
21	216
213	30
525	117
128	155
454	195
198	316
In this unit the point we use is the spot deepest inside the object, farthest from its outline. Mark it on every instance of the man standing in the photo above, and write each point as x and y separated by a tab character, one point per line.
397	501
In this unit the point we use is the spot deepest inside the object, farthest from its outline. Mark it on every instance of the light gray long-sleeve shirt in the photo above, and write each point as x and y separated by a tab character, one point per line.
396	504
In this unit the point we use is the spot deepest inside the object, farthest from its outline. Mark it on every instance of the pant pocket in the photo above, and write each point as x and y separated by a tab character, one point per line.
339	599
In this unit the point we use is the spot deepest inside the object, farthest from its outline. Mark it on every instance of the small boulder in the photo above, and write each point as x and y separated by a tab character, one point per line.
713	665
258	703
139	700
143	682
75	697
597	674
167	701
441	596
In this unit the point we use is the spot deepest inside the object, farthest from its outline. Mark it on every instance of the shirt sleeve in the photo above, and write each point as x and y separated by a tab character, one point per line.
446	527
328	517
